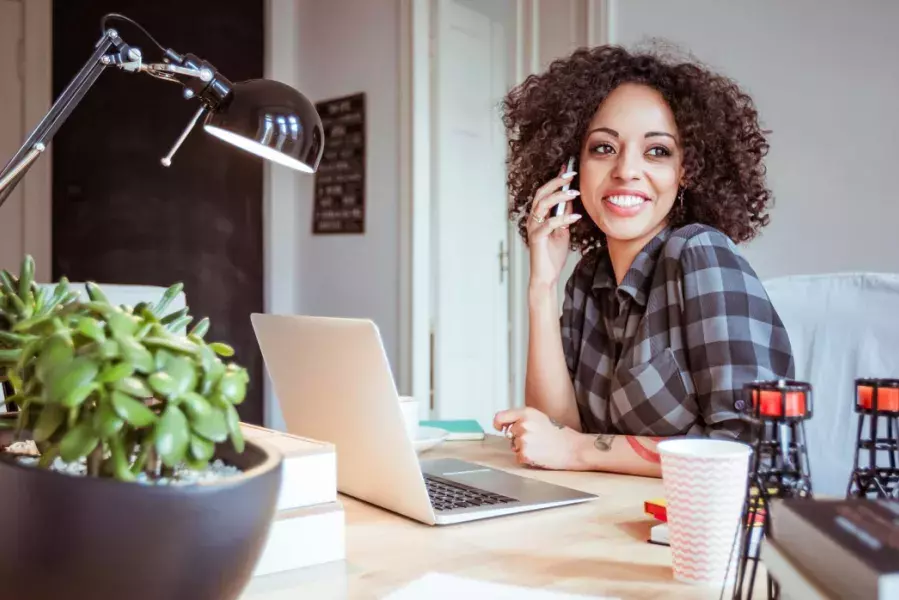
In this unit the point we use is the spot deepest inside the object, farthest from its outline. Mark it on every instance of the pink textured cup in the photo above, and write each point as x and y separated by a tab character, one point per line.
705	490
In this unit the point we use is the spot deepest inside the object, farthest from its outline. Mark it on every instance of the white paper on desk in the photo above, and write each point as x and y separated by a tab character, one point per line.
439	586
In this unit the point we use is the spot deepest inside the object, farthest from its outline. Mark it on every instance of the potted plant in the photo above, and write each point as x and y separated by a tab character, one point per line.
123	471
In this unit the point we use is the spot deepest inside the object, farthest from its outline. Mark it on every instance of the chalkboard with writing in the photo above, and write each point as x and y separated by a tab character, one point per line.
340	180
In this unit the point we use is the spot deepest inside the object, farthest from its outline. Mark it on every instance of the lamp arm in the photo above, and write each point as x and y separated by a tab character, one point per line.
198	77
40	137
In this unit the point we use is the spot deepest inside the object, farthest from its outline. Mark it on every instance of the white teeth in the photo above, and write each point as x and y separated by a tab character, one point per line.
626	201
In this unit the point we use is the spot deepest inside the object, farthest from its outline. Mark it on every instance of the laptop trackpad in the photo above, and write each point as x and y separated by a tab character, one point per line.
523	489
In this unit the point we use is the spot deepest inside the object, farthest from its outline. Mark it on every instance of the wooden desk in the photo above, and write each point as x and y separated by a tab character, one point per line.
596	548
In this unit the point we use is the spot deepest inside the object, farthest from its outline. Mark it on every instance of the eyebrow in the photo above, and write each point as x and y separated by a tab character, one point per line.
648	134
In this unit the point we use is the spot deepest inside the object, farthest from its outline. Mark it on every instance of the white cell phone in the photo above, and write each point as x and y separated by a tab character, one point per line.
560	207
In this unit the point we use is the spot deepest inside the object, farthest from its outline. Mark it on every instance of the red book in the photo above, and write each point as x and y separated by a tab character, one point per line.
656	508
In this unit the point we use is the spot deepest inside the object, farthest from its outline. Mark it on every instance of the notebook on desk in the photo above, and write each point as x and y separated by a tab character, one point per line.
333	382
460	430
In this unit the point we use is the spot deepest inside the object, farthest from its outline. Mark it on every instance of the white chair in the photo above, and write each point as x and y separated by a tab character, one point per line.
842	326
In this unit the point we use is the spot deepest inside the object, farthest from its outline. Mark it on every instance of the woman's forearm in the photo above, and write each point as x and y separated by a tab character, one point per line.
628	454
548	385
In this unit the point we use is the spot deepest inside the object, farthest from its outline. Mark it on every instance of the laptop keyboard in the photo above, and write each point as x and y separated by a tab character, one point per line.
449	495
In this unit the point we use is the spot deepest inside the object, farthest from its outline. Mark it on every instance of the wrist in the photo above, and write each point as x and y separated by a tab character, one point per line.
581	445
540	292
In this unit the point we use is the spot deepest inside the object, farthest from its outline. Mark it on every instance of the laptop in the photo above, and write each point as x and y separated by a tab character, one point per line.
334	384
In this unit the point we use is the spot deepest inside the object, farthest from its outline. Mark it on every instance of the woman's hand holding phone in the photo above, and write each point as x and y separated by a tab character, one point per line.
548	235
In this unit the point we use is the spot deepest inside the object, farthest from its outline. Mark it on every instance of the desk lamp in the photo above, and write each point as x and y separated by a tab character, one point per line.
777	411
877	401
264	117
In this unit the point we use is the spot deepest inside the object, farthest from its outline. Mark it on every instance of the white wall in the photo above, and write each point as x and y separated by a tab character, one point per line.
331	49
823	75
347	47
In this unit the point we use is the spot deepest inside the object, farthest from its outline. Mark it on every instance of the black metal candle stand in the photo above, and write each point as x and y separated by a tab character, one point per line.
875	473
777	412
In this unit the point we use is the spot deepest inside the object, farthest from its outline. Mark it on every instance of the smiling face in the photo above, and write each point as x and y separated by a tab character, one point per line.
631	164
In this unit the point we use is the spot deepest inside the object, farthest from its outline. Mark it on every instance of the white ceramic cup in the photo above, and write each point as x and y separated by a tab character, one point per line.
409	406
705	489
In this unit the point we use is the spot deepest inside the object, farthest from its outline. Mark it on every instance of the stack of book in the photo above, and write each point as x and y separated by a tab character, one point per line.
657	508
821	549
309	526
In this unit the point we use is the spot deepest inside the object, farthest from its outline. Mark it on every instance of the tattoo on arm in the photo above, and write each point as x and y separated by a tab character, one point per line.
642	451
603	442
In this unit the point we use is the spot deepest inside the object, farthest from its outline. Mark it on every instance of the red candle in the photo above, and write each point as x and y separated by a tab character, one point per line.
887	398
772	403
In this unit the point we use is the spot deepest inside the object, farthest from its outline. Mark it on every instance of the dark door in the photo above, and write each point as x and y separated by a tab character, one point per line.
119	216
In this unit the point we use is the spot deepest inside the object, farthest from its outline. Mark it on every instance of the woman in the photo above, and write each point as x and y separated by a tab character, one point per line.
663	321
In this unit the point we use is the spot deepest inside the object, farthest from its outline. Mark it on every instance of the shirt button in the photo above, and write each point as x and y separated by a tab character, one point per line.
739	404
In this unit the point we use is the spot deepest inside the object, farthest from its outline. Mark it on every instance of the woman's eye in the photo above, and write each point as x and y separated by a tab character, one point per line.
603	149
659	151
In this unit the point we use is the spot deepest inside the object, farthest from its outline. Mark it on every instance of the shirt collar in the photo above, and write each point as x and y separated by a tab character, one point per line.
638	278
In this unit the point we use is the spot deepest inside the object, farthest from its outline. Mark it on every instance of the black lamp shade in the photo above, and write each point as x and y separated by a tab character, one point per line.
272	120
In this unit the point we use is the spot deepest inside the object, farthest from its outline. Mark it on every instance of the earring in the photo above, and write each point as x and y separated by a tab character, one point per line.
680	197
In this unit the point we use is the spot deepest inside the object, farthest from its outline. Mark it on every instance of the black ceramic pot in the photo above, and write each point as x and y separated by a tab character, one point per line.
64	536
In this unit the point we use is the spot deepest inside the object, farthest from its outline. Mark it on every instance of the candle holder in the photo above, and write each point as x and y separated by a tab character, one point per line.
877	405
777	412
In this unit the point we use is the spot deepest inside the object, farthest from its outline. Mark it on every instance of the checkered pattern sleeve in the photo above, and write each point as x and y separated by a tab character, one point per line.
572	319
732	332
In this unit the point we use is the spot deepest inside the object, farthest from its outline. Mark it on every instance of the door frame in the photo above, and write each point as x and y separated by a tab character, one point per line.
35	63
415	319
415	369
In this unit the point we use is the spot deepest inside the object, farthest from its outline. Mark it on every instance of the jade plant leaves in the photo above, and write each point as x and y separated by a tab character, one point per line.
78	442
221	349
134	411
162	383
57	350
48	422
234	428
128	387
213	426
106	422
200	329
136	354
201	448
134	386
115	371
91	328
233	386
172	436
179	378
78	395
68	377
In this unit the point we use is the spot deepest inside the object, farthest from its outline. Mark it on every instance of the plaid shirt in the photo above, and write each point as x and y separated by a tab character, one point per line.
668	350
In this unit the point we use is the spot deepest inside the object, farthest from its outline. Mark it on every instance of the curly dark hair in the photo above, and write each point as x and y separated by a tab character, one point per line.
547	115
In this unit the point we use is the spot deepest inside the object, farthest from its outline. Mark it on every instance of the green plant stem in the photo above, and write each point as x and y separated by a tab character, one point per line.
146	446
153	464
95	461
47	458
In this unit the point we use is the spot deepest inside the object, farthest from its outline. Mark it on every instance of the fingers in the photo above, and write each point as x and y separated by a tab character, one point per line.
552	185
518	429
553	224
507	417
544	207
